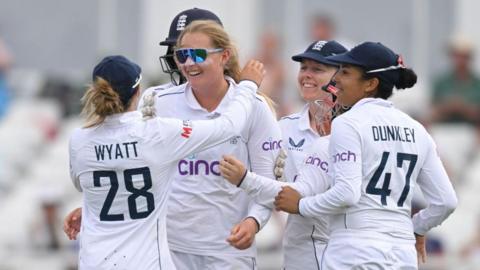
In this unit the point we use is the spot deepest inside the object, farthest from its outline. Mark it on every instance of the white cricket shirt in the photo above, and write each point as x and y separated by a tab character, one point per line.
378	154
204	207
305	170
124	167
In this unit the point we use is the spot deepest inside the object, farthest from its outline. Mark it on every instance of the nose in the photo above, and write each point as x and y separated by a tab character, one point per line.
189	62
306	73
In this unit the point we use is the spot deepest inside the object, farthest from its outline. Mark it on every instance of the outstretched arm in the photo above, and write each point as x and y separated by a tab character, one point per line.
182	138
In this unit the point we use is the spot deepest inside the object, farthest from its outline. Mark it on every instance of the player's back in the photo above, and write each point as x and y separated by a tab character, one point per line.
393	150
125	191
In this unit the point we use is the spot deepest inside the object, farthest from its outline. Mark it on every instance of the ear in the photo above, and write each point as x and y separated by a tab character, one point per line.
371	85
225	56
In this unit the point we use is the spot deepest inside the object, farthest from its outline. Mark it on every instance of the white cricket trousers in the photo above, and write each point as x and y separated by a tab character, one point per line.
186	261
361	250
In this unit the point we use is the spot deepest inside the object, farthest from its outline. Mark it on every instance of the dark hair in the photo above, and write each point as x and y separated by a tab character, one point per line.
403	78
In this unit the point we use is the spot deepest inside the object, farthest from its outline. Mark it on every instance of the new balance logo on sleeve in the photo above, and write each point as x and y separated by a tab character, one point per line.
187	129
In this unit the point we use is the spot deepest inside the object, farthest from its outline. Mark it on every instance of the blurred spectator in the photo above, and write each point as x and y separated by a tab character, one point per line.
5	64
46	230
273	85
471	251
323	27
456	93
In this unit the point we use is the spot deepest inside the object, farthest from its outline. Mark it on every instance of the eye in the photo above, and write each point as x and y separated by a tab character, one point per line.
303	68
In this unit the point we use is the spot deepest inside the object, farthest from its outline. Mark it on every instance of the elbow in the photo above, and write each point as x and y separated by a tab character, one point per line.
351	200
350	197
450	205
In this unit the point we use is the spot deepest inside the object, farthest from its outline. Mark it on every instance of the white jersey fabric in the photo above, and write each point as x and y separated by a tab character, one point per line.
204	207
306	170
305	148
378	155
124	167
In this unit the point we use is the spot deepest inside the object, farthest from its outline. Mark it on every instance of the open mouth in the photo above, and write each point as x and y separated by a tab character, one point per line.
193	73
308	85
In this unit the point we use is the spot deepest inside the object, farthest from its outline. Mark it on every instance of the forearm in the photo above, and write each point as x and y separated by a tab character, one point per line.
432	216
261	189
334	201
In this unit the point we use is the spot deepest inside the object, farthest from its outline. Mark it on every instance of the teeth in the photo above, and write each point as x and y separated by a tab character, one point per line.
308	85
193	73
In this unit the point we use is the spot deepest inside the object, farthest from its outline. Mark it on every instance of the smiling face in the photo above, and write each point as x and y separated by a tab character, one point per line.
352	86
311	77
208	73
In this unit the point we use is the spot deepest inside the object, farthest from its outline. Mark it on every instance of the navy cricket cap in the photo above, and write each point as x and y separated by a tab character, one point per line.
122	74
373	57
320	50
183	19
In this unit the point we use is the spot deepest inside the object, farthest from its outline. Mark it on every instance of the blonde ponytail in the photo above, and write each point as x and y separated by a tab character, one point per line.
100	101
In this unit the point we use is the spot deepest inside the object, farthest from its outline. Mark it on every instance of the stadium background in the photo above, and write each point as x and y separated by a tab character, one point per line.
55	44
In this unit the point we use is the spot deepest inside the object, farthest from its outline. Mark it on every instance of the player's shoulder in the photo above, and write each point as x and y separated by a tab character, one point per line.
79	137
165	90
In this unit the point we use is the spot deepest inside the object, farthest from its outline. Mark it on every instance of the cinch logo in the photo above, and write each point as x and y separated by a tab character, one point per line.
345	156
198	167
317	162
181	23
294	145
272	145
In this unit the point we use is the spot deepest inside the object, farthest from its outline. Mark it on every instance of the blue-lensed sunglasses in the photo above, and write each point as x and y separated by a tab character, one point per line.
197	55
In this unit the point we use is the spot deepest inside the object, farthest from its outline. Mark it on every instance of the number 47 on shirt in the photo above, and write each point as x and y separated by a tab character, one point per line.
384	191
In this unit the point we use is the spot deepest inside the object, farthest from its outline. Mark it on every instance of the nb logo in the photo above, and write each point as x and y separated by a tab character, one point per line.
187	129
186	132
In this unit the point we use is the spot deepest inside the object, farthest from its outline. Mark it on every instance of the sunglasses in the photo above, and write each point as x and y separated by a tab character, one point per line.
197	55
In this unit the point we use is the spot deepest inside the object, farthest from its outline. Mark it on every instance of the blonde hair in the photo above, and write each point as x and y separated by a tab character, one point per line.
100	101
220	39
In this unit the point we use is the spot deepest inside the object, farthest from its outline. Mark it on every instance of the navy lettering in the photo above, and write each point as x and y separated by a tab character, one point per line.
393	133
120	152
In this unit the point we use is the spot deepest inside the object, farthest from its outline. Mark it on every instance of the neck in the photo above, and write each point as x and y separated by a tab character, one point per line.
311	116
320	128
211	96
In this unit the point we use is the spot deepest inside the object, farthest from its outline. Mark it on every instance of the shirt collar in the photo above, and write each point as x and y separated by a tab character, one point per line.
304	121
373	101
192	101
